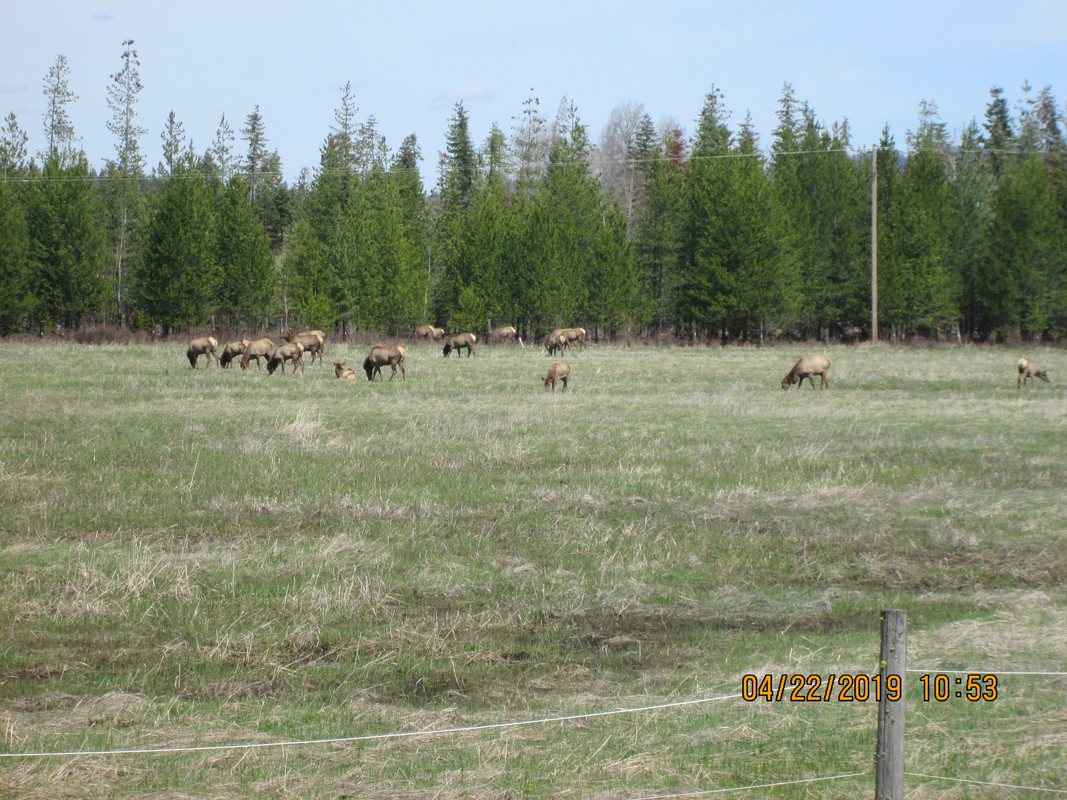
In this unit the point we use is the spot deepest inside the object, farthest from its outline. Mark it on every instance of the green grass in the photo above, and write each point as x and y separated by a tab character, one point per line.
217	557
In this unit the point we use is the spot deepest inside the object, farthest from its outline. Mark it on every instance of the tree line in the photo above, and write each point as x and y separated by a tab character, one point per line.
644	232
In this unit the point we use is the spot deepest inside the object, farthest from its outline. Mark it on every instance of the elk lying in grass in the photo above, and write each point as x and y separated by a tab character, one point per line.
505	333
560	371
260	348
290	351
458	341
314	342
1028	371
808	367
203	346
380	356
343	371
231	350
429	332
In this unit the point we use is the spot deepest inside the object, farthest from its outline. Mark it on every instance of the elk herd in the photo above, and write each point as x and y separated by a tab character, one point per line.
313	343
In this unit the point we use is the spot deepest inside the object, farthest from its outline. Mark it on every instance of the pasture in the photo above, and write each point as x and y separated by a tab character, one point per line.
195	558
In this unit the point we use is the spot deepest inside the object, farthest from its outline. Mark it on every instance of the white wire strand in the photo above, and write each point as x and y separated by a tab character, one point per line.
365	738
986	783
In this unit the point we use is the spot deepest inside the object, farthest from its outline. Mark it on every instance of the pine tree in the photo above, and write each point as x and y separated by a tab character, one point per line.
121	189
59	131
15	297
68	249
174	145
13	147
248	281
254	132
177	280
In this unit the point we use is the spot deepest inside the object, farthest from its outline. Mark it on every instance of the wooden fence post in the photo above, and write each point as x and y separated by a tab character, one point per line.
889	759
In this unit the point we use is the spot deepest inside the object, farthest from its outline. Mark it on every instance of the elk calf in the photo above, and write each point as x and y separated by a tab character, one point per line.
343	371
1028	371
808	367
560	371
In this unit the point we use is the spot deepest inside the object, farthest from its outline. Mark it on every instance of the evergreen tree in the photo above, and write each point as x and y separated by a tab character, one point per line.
248	281
174	145
68	249
972	194
177	280
999	138
121	184
58	129
13	147
221	151
15	297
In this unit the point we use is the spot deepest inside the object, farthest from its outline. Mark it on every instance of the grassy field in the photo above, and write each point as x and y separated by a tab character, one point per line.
210	557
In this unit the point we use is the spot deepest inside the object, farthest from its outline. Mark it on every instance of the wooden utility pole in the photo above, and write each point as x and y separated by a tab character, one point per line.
874	245
889	758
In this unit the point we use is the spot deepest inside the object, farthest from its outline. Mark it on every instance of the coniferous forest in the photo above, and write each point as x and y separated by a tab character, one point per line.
644	231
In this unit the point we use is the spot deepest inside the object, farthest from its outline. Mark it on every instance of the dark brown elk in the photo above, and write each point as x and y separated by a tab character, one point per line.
343	371
314	342
505	333
1028	371
382	355
560	371
429	332
457	341
290	351
231	350
260	348
203	346
808	367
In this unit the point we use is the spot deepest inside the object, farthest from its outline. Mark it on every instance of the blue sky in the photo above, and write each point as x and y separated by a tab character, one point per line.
410	61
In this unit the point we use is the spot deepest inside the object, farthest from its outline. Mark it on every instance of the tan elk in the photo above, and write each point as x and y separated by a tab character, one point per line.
555	344
1028	371
382	355
344	372
314	342
231	350
203	346
457	341
260	348
560	371
429	332
505	333
808	367
290	351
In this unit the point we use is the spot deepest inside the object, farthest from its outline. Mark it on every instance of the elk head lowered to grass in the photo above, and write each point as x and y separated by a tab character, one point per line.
808	367
458	341
260	348
290	351
379	356
1028	371
231	350
560	371
203	346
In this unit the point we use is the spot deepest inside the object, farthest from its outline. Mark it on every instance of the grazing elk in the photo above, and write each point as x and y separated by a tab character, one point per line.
314	342
429	332
290	351
343	371
231	350
260	348
458	341
575	336
808	367
1028	371
555	343
505	333
203	346
382	355
560	371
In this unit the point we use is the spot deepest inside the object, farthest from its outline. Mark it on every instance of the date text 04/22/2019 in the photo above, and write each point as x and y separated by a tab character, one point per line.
860	688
